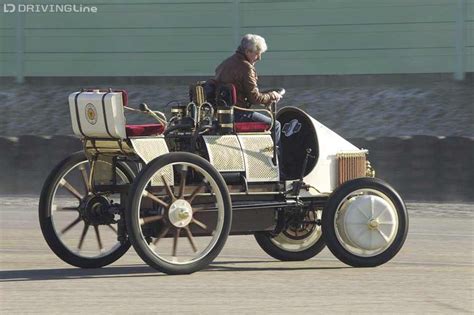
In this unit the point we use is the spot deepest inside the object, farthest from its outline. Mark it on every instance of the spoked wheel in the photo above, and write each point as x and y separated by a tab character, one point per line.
301	240
365	222
180	213
78	225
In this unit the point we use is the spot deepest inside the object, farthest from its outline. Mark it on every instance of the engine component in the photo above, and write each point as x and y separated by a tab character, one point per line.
225	118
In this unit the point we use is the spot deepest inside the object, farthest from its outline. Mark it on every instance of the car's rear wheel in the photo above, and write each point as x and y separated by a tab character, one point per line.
301	240
77	223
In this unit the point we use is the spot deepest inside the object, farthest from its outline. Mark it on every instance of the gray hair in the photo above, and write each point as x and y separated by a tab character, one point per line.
254	43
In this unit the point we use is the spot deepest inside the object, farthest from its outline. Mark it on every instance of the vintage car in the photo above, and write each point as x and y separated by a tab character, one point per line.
177	188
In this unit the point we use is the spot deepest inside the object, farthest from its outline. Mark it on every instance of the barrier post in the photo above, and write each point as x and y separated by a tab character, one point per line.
20	47
460	40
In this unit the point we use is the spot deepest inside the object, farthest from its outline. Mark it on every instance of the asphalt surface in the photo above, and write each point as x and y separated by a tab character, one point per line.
433	273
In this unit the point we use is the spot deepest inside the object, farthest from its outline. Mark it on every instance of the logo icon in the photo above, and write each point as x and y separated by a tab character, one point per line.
91	114
291	128
9	8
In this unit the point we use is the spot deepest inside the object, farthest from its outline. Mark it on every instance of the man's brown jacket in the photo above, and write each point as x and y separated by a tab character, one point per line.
237	70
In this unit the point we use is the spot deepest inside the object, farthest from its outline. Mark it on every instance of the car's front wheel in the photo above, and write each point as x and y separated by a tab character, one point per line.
365	222
180	213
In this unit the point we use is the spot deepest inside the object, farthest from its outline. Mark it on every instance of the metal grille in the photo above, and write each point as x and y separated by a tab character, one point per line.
350	166
148	149
258	154
225	153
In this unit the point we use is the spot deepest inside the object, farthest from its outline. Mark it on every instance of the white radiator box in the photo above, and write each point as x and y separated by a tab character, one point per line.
97	114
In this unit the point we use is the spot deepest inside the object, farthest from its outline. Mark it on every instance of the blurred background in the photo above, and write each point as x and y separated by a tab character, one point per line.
393	76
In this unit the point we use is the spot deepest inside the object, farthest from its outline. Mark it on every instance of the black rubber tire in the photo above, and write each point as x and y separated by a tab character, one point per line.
264	239
133	227
46	223
330	210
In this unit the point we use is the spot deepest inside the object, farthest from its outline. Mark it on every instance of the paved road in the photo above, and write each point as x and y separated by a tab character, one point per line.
433	273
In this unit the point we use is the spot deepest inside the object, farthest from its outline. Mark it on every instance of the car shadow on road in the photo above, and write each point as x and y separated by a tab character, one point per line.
276	266
126	271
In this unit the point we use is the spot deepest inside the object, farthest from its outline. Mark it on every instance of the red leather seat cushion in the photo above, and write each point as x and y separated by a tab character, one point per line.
144	130
251	127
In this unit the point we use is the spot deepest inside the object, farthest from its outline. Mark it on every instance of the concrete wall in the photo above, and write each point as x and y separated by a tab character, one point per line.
176	38
419	167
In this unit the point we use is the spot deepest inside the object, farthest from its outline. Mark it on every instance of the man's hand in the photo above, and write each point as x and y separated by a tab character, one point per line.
275	96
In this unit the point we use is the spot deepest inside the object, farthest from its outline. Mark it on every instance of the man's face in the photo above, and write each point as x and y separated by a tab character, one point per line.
253	56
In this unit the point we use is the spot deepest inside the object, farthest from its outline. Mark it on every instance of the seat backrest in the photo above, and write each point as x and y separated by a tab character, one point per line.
217	94
226	95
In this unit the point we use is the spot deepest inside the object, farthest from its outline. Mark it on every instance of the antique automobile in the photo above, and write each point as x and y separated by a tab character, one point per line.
176	189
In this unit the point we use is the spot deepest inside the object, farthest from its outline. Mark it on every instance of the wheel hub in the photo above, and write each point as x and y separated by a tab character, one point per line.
95	210
301	225
367	222
180	213
373	224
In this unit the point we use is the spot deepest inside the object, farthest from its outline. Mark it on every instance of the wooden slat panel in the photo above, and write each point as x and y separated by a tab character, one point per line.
194	40
470	10
7	64
279	39
120	64
308	13
139	16
158	37
358	37
322	62
469	59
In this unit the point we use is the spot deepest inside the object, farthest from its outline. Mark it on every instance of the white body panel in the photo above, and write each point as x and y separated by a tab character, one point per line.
324	175
246	152
97	114
258	153
149	148
225	153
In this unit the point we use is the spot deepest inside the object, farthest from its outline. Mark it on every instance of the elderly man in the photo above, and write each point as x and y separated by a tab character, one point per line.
239	70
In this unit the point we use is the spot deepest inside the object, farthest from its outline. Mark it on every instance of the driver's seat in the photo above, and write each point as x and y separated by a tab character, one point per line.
227	94
242	127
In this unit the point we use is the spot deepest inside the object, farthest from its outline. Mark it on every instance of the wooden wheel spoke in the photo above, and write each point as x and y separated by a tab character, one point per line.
71	225
64	209
97	235
112	228
168	189
85	178
83	236
199	223
150	219
182	183
162	234
155	199
70	188
191	239
196	191
175	242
